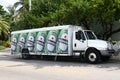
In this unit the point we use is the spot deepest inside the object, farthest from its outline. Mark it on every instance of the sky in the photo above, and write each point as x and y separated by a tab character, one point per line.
6	3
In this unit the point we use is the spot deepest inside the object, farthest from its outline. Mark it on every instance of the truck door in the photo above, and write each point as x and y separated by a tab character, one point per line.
79	41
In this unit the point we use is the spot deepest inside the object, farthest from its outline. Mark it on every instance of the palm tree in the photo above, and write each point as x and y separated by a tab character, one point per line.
11	10
4	29
21	6
13	13
2	11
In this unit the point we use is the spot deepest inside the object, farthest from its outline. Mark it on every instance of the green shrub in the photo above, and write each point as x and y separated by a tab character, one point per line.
7	44
114	42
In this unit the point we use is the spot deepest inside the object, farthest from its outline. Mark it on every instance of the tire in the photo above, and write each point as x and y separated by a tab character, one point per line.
25	54
93	56
105	58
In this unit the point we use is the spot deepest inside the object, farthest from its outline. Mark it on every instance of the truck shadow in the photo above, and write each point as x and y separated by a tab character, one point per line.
38	63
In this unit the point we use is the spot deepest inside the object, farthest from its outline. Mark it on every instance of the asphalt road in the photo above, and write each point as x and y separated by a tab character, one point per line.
13	68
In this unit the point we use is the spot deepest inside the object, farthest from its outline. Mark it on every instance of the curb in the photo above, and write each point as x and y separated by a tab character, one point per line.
5	52
6	49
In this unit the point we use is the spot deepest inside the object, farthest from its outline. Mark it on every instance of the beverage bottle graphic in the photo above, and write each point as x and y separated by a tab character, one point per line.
22	41
14	42
30	41
62	44
51	41
40	41
51	44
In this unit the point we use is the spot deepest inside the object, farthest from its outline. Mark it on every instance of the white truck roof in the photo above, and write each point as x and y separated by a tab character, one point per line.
48	28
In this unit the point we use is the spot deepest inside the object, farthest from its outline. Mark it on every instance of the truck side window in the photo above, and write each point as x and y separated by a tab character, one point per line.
79	35
83	37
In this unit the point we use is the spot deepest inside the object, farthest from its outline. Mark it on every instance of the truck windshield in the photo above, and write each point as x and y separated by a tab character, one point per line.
90	35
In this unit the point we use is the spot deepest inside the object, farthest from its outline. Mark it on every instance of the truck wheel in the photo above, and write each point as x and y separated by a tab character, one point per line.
25	54
93	56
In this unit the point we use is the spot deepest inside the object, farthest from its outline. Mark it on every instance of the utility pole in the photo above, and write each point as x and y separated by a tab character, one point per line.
30	5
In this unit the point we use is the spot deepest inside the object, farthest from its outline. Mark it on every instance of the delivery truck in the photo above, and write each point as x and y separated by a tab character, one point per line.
64	40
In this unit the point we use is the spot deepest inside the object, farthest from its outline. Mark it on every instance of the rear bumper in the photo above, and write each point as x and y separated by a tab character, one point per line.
107	52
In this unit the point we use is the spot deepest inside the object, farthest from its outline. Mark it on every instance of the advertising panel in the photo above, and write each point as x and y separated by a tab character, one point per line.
62	43
14	44
30	41
22	41
40	41
50	46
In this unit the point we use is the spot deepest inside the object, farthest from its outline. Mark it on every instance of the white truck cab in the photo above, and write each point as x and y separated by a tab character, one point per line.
93	49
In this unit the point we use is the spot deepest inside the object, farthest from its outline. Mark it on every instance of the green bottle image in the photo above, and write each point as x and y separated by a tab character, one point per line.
22	40
62	44
14	42
30	41
51	41
40	41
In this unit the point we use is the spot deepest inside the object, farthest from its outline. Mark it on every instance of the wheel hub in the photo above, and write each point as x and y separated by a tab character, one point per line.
92	57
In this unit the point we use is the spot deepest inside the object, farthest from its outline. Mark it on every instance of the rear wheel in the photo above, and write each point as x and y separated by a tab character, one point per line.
93	56
25	54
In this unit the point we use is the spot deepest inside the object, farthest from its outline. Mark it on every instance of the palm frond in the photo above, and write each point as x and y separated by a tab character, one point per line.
4	28
18	4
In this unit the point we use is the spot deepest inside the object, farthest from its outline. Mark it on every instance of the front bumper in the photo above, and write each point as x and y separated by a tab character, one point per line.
107	52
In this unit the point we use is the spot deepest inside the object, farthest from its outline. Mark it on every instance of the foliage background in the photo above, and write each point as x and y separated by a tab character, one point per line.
45	13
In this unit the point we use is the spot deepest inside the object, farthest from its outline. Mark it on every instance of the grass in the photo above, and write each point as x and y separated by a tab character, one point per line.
4	44
2	47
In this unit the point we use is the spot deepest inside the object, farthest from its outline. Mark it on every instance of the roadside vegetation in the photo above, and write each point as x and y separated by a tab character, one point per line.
86	13
4	30
1	46
4	44
44	13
